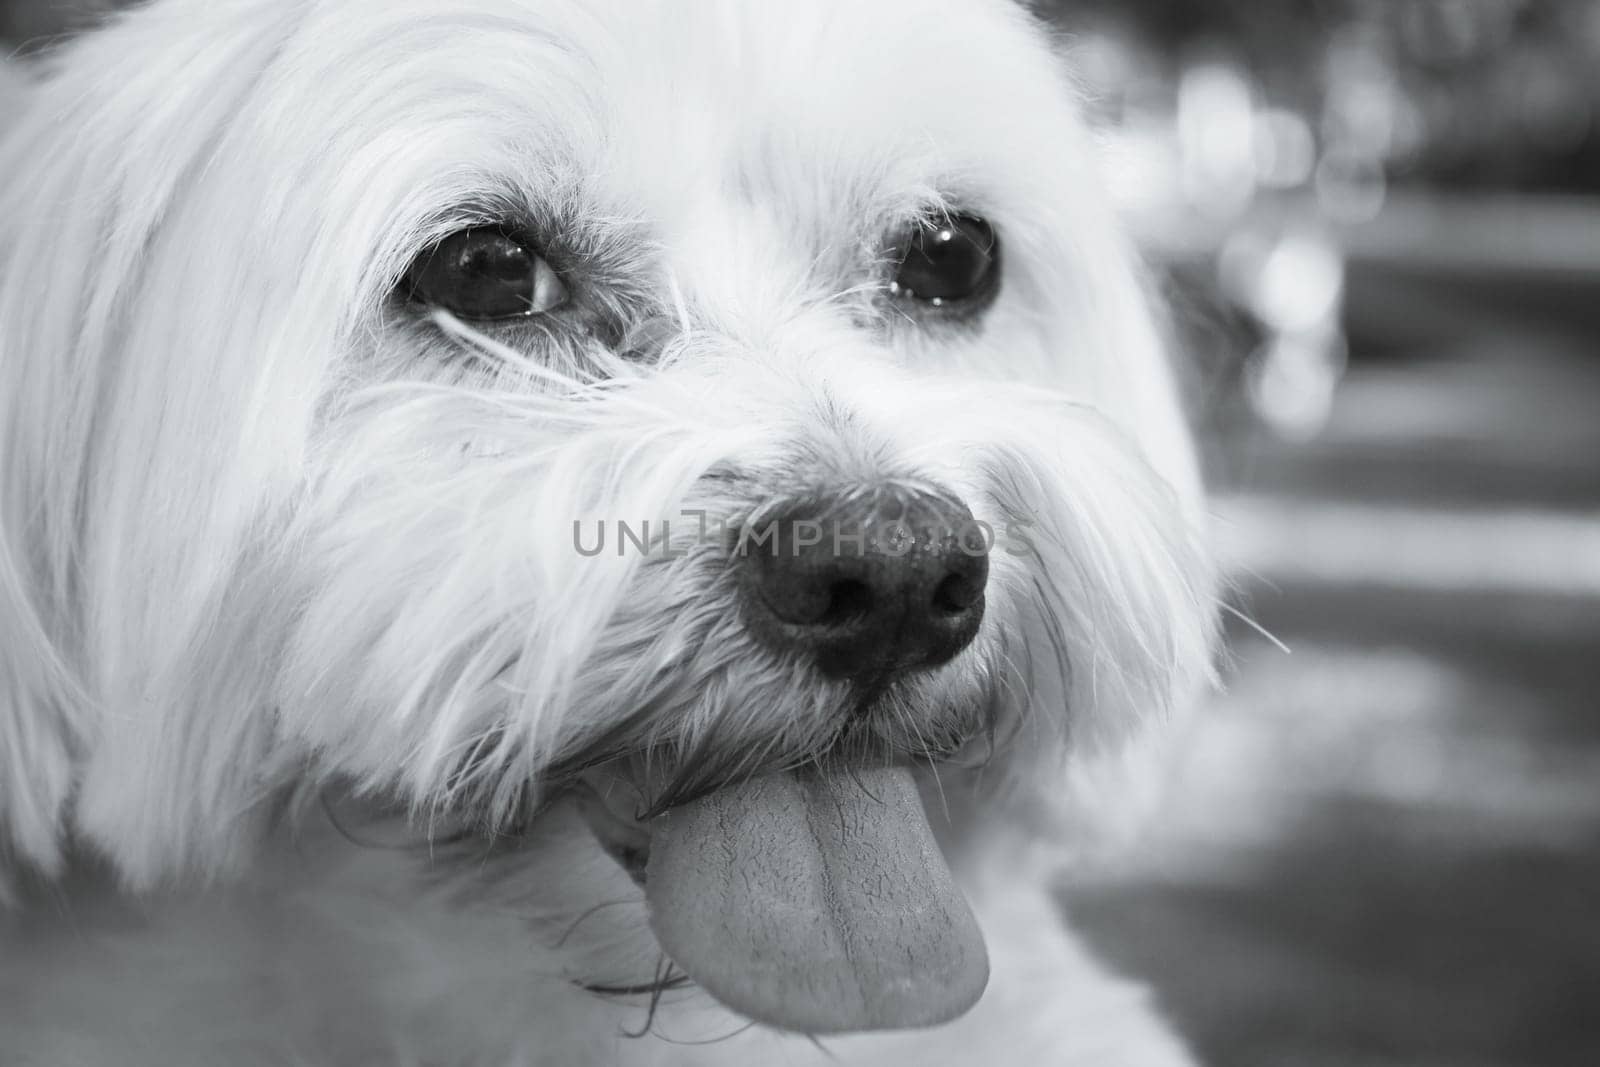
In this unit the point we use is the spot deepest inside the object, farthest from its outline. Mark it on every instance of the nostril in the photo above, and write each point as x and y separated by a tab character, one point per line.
848	601
891	607
957	594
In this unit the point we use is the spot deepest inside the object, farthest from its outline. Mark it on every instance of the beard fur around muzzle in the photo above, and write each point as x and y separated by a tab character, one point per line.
554	594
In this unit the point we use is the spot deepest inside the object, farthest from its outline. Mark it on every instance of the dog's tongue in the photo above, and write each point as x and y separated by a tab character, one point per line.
816	903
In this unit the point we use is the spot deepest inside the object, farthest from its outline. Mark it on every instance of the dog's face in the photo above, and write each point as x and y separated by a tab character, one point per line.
347	350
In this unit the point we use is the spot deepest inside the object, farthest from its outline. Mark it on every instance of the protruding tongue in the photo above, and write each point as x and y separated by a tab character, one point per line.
816	903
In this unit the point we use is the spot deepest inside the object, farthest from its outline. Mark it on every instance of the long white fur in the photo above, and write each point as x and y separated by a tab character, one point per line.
262	533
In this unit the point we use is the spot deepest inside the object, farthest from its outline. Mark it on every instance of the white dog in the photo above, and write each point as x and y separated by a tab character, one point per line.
511	507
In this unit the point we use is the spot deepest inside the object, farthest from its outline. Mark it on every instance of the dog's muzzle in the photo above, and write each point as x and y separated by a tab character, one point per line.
815	898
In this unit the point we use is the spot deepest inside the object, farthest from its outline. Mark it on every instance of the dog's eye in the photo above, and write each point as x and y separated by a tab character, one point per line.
948	260
484	275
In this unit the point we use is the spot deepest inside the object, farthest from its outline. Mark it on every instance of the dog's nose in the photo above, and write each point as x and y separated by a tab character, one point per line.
869	584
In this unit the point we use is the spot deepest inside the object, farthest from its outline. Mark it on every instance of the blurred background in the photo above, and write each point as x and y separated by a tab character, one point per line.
1378	225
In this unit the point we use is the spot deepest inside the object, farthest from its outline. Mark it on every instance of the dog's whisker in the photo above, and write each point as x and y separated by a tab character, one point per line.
817	1044
701	1042
1256	627
592	911
680	306
664	981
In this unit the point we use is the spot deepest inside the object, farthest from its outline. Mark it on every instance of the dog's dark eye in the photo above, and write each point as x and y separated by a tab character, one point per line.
948	260
484	275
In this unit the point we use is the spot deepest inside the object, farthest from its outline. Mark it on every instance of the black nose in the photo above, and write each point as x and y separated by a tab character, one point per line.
870	584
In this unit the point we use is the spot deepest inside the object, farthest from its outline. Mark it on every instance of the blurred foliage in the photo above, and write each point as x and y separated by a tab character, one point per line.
1488	93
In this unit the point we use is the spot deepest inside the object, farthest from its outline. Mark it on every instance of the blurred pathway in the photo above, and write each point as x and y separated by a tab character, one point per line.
1385	845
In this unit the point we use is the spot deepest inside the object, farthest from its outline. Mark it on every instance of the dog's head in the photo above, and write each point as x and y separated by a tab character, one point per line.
475	403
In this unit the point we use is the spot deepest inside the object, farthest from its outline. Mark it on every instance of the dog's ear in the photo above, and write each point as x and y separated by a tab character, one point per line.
1133	692
1123	649
40	702
94	630
41	707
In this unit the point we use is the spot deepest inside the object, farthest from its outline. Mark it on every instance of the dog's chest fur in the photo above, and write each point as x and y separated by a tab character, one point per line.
378	956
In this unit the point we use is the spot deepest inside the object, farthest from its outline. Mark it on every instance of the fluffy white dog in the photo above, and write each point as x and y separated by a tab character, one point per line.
511	508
